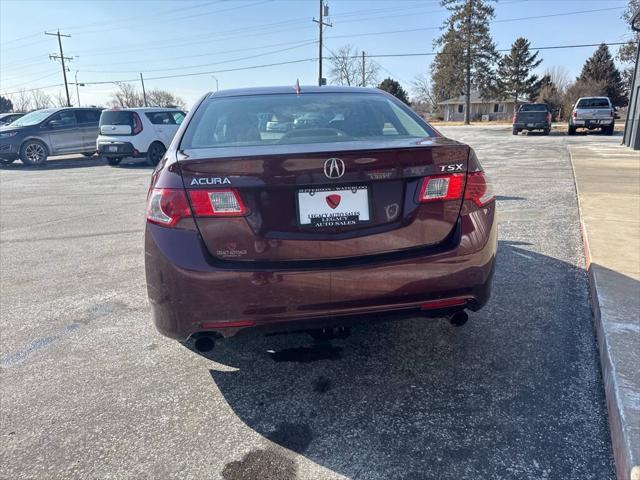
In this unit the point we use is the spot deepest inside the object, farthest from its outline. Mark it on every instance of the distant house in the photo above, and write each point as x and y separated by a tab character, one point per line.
481	108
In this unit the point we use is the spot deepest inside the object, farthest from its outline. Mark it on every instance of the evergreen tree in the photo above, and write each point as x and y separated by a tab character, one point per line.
5	105
600	67
394	88
515	71
467	52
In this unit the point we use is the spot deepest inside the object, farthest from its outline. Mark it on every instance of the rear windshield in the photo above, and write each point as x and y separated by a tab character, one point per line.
534	108
295	119
594	103
116	117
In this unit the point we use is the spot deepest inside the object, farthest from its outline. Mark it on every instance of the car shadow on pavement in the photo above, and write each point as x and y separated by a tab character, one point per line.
514	393
75	162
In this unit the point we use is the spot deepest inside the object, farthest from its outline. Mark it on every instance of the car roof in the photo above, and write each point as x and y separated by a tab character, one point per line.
239	92
605	98
143	109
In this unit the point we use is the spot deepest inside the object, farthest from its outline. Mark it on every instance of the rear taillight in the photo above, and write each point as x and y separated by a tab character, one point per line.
217	203
137	124
612	113
515	115
575	114
166	206
478	189
442	187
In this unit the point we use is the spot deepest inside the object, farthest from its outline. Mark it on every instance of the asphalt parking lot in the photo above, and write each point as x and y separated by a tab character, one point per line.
91	390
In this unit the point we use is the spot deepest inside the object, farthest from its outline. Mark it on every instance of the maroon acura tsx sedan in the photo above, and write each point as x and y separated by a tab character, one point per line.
310	208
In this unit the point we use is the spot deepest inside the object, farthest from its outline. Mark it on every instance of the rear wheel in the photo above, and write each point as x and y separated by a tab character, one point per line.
546	131
514	131
608	130
114	162
572	130
33	152
88	154
155	153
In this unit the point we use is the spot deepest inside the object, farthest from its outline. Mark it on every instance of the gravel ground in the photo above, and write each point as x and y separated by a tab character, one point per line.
90	390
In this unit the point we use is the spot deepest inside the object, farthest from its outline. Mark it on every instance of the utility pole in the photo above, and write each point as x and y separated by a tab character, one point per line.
363	74
77	89
324	11
62	58
144	93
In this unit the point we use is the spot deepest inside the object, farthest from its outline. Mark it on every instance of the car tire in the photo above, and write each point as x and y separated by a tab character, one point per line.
572	130
608	130
33	152
114	162
514	131
155	153
88	154
546	131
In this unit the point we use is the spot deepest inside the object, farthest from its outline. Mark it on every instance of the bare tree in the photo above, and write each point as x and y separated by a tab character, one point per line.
346	68
126	96
163	98
423	93
60	99
559	76
40	100
21	101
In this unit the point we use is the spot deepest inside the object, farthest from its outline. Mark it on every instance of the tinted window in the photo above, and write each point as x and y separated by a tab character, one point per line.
594	103
178	117
65	118
161	118
88	116
311	118
33	118
116	117
534	108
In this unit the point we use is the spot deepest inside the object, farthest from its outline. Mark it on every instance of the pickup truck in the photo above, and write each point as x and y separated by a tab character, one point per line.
532	116
592	113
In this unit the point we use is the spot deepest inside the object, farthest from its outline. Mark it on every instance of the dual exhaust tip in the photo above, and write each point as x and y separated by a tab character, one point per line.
204	343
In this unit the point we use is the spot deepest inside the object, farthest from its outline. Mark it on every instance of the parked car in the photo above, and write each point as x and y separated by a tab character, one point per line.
313	228
7	118
137	133
592	113
52	131
532	116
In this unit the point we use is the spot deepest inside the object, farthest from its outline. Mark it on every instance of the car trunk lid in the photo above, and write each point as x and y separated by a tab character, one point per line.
325	201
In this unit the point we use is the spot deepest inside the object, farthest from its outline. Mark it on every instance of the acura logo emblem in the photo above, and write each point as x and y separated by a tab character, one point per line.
333	168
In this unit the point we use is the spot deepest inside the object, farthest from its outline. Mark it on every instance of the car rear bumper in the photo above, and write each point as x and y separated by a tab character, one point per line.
596	123
190	294
118	150
532	126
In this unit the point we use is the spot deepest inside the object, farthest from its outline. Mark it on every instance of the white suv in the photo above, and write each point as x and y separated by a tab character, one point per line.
137	133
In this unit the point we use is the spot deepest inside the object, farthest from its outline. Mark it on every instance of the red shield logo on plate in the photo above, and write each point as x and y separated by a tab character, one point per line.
333	200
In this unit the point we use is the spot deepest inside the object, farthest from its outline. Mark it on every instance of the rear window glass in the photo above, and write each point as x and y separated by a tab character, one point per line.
161	118
534	108
88	116
594	103
116	117
289	119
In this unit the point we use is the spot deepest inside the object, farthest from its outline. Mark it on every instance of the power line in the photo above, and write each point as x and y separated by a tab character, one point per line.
298	45
252	67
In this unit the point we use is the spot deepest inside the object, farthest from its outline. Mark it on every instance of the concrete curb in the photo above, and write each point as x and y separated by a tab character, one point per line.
618	424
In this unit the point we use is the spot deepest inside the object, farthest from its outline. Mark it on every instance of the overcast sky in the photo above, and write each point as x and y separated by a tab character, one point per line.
115	40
